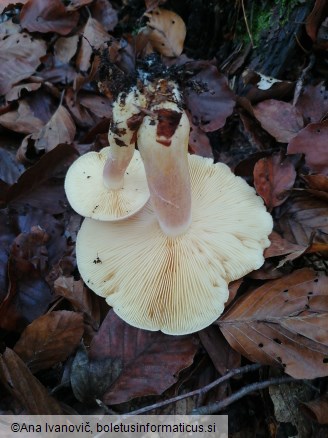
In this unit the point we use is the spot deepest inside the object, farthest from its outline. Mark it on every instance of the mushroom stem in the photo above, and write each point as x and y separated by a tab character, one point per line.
117	162
163	146
122	137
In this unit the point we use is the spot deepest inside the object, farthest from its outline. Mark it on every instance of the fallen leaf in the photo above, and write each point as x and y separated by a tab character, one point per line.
316	182
167	31
50	339
317	409
45	168
142	362
18	380
283	323
199	142
223	356
314	19
104	12
81	298
274	177
73	5
47	16
209	99
10	169
313	103
303	218
17	90
94	36
21	120
280	119
60	129
280	246
20	55
314	134
65	48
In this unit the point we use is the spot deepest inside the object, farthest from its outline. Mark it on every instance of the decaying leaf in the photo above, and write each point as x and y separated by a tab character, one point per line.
17	90
47	16
280	246
312	142
20	55
283	323
21	120
274	176
167	31
303	218
280	119
142	362
209	98
313	103
317	409
94	36
20	382
50	339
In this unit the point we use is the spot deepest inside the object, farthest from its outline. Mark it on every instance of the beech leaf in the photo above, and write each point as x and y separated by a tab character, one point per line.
20	382
50	339
47	16
280	119
273	178
283	323
143	362
167	31
312	141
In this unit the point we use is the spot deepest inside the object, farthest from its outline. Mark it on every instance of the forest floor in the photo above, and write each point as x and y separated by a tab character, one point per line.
254	80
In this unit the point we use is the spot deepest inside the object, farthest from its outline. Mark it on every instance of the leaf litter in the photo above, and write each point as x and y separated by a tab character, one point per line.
62	65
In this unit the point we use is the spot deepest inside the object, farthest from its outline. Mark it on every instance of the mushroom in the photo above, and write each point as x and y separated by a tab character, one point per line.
111	184
168	267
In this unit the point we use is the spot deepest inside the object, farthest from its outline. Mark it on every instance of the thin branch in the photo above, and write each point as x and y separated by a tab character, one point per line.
200	391
246	23
218	406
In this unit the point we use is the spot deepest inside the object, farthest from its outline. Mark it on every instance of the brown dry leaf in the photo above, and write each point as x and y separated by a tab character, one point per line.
142	362
199	142
36	175
313	103
18	380
167	31
100	106
73	5
314	19
280	119
81	298
312	141
303	218
60	129
94	36
283	323
21	120
223	356
47	16
209	98
280	246
65	48
274	177
16	91
317	409
20	55
152	4
316	182
50	339
103	11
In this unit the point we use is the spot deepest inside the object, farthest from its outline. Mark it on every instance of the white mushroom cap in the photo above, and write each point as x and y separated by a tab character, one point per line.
86	191
178	285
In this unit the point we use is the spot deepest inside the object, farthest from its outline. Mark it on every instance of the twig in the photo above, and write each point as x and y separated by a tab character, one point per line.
246	23
218	406
200	391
